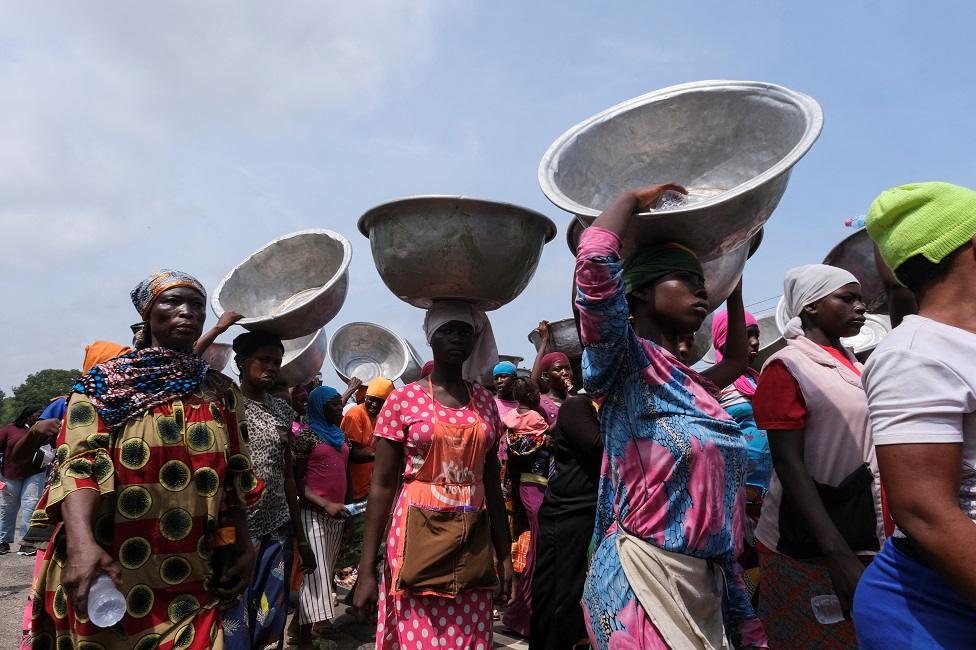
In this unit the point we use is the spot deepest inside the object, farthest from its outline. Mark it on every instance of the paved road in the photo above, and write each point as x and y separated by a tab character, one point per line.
15	579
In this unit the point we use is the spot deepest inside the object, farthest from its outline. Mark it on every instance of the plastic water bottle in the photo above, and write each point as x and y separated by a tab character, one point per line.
827	609
670	200
357	508
106	604
855	222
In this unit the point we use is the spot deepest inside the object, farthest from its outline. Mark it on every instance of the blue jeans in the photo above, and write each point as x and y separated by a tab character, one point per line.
19	494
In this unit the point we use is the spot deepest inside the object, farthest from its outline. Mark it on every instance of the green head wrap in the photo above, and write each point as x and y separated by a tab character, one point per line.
652	264
930	219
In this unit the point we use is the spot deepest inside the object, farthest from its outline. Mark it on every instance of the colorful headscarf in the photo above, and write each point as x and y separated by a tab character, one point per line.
147	291
654	263
805	285
379	387
129	385
552	359
746	384
484	355
101	351
326	431
504	368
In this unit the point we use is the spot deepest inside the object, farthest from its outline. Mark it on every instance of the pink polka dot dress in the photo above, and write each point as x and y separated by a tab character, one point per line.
408	621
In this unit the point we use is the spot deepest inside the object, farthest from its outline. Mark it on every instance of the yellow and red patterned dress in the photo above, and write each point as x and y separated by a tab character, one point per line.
164	480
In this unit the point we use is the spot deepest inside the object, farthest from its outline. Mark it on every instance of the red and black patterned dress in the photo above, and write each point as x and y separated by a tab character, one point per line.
164	478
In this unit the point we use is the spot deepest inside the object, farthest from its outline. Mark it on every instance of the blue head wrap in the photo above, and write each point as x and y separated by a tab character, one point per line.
325	430
504	368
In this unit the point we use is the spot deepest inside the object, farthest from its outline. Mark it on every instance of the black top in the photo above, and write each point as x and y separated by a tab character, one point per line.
578	449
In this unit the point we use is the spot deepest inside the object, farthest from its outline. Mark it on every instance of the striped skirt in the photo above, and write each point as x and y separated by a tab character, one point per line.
325	535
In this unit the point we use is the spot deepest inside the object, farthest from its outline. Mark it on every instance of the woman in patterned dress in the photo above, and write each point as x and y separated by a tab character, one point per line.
443	432
150	459
275	520
672	488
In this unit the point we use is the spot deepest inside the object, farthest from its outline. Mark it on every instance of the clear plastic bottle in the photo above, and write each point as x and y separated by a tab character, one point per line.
855	222
106	604
357	508
827	609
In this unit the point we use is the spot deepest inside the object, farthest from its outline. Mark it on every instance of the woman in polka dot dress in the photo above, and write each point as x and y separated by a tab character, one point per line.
443	432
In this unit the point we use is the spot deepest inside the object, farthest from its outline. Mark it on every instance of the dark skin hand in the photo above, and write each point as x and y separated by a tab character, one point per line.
41	433
86	559
239	575
735	355
226	319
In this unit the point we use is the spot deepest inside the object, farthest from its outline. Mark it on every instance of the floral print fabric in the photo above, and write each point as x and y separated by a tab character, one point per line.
675	463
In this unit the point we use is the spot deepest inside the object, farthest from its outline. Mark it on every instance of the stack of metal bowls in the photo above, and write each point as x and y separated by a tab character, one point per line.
291	287
303	358
732	144
428	248
367	351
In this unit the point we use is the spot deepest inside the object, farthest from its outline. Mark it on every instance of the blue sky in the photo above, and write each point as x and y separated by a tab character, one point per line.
145	135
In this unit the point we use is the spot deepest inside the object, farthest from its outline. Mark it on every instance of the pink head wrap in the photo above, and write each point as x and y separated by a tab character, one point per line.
552	359
746	384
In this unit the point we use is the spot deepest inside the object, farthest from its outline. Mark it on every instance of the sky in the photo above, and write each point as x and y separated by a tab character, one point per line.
142	135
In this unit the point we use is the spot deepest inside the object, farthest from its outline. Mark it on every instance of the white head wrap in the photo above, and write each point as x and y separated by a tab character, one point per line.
808	284
484	356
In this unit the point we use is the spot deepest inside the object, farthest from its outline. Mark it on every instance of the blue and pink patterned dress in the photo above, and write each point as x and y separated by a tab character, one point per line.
675	464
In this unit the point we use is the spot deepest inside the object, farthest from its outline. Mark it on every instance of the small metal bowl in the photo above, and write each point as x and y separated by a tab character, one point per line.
367	351
303	358
563	338
291	287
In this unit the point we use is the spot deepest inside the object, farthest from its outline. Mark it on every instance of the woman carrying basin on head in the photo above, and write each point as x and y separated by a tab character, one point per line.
440	434
821	519
672	488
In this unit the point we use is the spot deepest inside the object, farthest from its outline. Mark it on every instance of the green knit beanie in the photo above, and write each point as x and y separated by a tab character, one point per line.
930	219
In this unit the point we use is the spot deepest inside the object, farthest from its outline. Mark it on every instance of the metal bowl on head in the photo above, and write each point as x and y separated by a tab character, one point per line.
414	364
303	358
563	338
855	253
511	358
367	351
452	247
217	355
291	287
732	144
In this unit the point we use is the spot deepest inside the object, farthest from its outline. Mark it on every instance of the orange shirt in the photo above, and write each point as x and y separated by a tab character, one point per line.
358	427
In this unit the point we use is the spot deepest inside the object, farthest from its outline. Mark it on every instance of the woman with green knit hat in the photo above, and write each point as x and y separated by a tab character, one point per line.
920	592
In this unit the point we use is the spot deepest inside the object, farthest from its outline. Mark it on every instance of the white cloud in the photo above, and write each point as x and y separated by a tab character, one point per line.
126	119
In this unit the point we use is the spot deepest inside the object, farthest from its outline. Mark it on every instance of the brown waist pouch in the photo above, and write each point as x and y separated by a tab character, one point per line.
446	552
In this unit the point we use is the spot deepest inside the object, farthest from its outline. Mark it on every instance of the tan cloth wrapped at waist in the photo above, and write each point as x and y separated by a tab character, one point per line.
681	594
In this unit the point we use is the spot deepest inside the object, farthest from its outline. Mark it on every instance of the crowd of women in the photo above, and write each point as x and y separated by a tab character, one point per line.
815	502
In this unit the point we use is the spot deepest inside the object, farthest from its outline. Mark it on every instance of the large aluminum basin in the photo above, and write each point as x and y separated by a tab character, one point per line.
414	364
217	355
303	358
429	248
291	287
367	351
732	144
563	338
